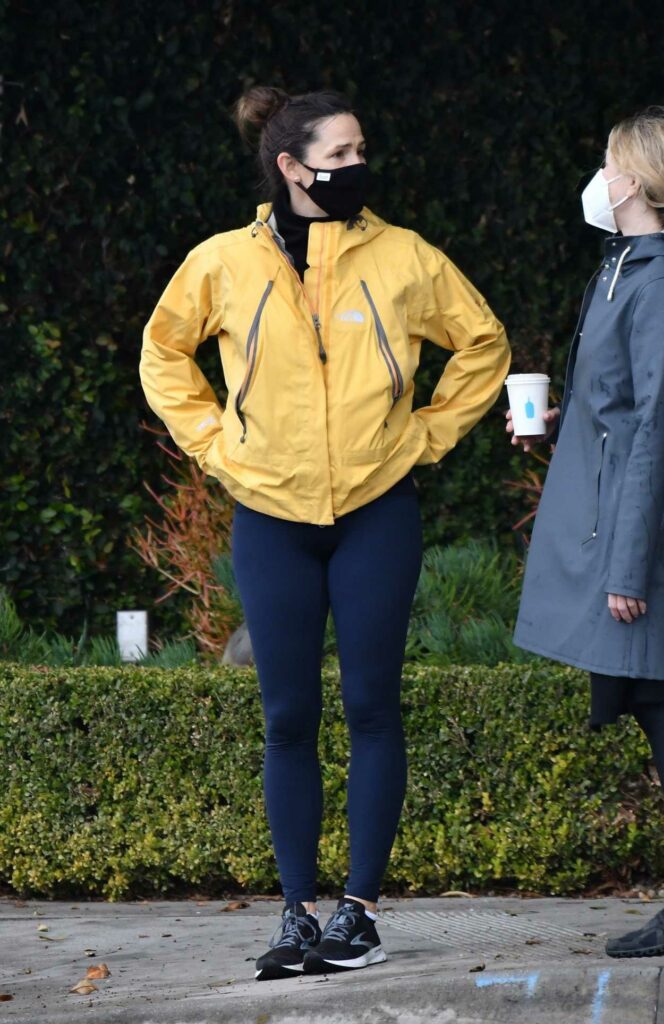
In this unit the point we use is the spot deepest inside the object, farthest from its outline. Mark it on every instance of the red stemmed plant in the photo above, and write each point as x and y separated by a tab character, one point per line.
194	528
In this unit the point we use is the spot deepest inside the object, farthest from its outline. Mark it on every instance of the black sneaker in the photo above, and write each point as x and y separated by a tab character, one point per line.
349	941
297	933
645	941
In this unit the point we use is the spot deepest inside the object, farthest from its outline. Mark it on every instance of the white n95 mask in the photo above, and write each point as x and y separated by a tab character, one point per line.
597	208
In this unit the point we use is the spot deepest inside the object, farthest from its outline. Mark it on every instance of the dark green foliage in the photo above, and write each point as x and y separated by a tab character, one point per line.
465	606
22	645
119	781
119	156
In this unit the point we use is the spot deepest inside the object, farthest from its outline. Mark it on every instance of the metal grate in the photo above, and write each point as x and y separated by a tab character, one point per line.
487	932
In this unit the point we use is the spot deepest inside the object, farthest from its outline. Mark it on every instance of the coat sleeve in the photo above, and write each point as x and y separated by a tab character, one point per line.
638	521
176	390
456	317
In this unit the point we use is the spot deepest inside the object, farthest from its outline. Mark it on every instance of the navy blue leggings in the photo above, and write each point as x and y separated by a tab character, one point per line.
365	568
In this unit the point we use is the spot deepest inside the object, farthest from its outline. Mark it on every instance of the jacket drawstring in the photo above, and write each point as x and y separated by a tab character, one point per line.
612	287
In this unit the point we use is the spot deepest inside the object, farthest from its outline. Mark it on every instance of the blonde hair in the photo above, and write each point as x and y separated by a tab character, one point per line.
637	147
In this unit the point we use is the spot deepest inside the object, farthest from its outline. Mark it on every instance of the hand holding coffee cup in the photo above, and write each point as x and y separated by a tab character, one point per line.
529	419
551	417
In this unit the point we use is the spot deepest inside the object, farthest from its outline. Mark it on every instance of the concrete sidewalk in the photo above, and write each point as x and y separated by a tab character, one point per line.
452	961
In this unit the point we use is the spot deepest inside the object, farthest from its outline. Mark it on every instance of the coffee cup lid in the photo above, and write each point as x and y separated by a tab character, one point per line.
528	378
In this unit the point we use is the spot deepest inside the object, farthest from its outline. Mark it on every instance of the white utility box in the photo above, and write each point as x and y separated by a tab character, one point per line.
132	635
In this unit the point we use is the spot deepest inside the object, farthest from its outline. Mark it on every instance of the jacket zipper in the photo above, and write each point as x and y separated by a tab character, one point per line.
571	359
385	350
252	350
322	354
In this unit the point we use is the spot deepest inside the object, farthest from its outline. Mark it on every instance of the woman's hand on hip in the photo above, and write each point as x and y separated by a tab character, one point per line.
551	416
626	609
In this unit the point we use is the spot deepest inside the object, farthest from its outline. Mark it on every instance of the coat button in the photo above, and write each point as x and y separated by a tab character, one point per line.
594	533
613	259
605	278
605	434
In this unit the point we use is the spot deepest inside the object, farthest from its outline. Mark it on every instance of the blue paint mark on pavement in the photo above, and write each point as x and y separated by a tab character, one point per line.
529	980
600	993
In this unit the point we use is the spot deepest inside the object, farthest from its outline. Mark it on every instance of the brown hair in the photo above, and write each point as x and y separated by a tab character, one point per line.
284	124
637	147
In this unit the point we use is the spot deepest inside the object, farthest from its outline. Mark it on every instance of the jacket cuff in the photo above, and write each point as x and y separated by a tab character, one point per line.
623	591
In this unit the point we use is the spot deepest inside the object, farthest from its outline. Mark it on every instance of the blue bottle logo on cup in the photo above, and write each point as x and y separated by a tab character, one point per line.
530	410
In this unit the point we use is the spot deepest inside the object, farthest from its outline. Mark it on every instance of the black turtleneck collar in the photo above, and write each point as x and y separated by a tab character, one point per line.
294	229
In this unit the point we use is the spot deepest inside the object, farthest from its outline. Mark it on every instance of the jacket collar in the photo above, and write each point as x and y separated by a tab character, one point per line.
641	247
347	234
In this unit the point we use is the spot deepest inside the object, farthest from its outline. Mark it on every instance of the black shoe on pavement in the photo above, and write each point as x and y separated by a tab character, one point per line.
645	941
296	934
349	941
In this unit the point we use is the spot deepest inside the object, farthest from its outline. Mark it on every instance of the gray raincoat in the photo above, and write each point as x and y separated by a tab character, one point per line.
599	527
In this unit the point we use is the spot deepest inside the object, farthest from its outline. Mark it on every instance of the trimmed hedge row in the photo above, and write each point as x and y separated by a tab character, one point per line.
123	781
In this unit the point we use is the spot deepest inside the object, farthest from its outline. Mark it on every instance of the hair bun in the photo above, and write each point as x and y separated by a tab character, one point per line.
255	108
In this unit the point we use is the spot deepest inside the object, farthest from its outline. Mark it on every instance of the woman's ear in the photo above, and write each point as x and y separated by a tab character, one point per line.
289	167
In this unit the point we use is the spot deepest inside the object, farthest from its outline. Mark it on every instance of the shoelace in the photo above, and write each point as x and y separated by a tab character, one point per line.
340	924
291	935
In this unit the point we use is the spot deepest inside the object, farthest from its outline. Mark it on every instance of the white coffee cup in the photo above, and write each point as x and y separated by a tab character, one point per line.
528	395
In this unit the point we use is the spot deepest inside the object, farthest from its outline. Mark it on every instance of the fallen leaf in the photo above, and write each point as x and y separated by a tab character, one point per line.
97	972
456	892
42	927
262	1018
144	936
20	903
590	935
5	997
220	984
582	952
90	952
533	942
167	935
84	988
477	969
234	905
52	938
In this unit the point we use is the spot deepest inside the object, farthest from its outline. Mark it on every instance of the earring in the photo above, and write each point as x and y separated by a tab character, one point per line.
298	180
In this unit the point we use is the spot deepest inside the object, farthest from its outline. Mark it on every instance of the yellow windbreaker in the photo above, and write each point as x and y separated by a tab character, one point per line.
319	418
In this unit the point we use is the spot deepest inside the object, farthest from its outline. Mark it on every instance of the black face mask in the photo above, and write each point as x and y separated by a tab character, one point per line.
339	192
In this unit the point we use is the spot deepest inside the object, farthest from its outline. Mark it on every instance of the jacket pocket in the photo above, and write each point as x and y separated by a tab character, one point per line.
396	377
252	351
592	521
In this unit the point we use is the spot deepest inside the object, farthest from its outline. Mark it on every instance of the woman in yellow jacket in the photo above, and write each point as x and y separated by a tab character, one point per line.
320	309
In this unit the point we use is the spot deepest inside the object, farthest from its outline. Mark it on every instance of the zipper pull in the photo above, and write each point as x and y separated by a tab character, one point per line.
321	348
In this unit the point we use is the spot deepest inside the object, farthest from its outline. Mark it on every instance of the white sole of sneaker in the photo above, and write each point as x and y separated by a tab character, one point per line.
377	955
275	971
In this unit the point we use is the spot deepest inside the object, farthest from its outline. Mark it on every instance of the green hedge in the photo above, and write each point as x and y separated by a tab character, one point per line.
124	781
119	155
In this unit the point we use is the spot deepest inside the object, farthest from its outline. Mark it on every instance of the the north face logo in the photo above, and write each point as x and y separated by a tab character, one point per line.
351	316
